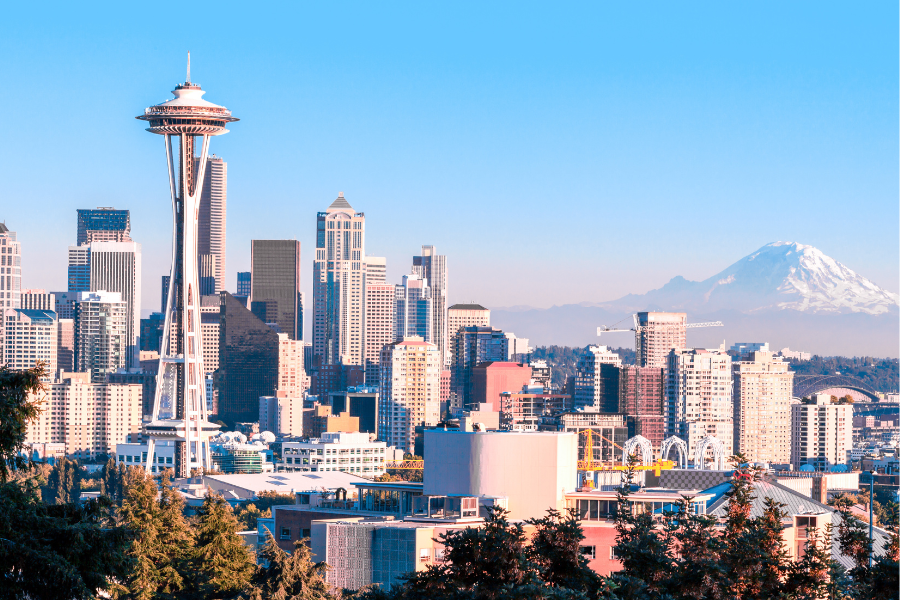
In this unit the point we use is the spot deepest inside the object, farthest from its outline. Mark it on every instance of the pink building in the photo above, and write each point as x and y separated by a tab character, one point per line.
490	379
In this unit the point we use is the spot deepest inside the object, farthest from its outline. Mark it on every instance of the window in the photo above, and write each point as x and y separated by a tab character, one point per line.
589	552
424	554
612	553
285	533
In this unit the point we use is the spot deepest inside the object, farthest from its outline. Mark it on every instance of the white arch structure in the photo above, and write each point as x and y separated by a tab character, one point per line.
675	442
641	442
718	448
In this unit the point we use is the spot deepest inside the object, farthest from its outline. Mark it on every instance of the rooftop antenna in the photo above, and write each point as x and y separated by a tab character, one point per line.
189	67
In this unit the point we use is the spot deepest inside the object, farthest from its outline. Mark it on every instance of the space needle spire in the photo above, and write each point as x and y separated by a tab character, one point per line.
180	409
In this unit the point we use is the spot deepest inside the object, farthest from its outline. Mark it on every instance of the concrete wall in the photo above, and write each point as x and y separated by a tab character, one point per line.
532	470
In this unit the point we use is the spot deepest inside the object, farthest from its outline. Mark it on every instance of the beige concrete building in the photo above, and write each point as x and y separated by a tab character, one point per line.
657	333
89	418
379	329
762	407
292	378
210	326
30	337
821	433
699	401
464	315
410	391
281	414
211	217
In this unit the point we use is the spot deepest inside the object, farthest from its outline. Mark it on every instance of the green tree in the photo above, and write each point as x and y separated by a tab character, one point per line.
284	576
19	404
64	482
222	563
112	480
555	550
248	515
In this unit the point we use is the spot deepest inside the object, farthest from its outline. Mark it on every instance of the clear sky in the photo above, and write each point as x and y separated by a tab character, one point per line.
557	153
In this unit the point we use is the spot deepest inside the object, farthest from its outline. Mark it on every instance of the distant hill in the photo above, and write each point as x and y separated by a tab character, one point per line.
788	294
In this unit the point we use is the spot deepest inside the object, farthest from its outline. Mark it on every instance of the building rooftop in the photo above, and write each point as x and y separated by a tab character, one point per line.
340	204
285	483
467	307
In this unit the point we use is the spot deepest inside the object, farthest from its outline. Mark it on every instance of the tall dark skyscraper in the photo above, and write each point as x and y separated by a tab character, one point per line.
275	284
211	226
243	283
248	361
103	224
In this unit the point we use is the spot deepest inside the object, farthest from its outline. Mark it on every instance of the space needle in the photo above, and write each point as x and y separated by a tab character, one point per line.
180	410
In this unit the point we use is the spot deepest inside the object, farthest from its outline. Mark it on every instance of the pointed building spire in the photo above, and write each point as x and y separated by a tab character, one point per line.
189	67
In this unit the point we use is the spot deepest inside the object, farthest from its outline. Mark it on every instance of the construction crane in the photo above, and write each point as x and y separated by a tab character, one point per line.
638	328
404	464
589	464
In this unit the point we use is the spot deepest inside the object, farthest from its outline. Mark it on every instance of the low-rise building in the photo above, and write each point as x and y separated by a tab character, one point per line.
338	451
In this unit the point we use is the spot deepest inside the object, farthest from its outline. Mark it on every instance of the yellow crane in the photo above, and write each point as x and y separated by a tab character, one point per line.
589	464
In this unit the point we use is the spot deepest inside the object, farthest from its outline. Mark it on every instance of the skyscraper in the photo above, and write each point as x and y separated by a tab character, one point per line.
379	328
473	346
103	224
656	333
821	433
410	392
338	294
101	334
597	380
10	275
433	268
464	315
211	225
414	309
641	399
275	284
763	386
699	397
38	300
111	266
180	407
65	345
243	284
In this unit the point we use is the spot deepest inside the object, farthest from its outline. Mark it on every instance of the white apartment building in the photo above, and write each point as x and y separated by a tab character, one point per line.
699	397
338	284
135	455
410	391
89	418
379	328
821	433
763	387
335	451
101	333
31	336
292	378
655	335
210	326
281	414
597	379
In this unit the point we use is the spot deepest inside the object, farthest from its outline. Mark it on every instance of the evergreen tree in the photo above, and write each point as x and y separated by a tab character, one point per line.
64	483
284	576
177	538
223	565
19	404
139	514
112	480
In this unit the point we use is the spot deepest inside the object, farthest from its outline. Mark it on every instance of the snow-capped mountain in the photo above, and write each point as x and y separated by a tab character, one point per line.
778	276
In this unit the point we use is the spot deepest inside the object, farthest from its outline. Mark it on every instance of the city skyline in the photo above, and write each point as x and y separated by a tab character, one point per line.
799	140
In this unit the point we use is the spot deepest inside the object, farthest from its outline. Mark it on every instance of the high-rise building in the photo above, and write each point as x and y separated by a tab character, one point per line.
642	400
338	286
65	304
490	379
541	374
101	334
414	308
292	378
112	267
10	274
656	333
699	397
379	326
360	402
89	418
209	331
65	345
180	408
103	224
763	386
432	267
464	315
211	225
243	284
410	392
38	300
821	433
248	361
30	337
275	284
281	414
597	380
518	348
473	346
376	269
151	332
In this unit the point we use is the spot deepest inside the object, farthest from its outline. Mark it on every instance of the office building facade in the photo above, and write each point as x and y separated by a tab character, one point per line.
38	300
101	334
473	346
275	284
244	284
821	433
103	224
10	275
432	267
379	326
763	386
338	282
31	337
642	401
65	345
463	315
413	309
410	392
597	380
211	219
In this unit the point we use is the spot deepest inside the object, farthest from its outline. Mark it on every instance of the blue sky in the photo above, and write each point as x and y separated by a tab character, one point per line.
556	153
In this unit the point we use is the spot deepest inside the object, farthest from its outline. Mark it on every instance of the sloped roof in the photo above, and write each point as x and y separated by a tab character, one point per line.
467	307
794	503
3	228
340	203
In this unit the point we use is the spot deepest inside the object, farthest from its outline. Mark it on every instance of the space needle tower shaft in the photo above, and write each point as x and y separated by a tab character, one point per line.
180	409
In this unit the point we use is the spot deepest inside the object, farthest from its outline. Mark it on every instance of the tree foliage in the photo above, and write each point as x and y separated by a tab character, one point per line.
19	404
284	576
63	483
223	564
